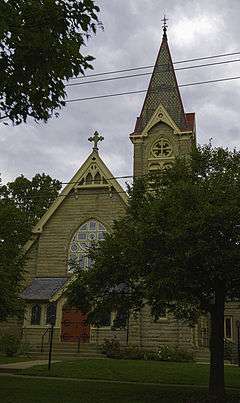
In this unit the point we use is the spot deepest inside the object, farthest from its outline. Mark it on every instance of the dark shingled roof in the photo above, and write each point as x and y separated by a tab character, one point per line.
43	288
163	89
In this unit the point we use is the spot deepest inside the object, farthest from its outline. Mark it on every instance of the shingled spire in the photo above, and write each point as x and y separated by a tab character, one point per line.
163	89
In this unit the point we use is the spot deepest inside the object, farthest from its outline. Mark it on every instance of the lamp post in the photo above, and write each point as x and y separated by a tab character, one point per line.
52	320
238	340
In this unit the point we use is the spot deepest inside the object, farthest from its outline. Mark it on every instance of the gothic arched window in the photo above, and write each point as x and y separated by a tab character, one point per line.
36	314
88	234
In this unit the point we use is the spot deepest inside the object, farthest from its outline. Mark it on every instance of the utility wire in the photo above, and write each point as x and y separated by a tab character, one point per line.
111	177
145	90
77	195
151	66
149	73
92	192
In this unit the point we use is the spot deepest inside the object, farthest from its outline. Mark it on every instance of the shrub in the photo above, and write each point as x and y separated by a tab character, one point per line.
151	356
230	351
24	349
111	348
10	344
132	353
174	354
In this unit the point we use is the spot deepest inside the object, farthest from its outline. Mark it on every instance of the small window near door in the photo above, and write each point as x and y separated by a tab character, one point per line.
36	314
228	327
51	314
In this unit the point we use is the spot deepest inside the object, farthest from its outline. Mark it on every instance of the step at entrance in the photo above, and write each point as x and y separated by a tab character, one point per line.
68	350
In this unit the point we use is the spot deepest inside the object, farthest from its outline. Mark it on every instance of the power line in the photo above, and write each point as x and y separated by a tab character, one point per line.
145	90
73	194
149	73
111	177
152	65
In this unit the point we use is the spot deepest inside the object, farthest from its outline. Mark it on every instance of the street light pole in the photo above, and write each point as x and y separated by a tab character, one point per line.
238	340
52	310
50	347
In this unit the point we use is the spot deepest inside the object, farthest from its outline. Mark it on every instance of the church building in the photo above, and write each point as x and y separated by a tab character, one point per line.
85	211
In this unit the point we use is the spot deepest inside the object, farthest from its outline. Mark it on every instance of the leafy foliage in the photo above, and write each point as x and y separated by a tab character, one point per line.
22	203
173	354
10	344
32	197
180	238
179	241
112	349
40	42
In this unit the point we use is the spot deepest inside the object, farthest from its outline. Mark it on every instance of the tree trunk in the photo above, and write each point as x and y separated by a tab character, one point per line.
216	376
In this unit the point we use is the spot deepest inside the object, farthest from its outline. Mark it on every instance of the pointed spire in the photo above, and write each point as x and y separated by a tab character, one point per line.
163	89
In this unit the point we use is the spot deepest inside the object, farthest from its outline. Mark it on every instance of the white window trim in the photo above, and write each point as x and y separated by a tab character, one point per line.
231	322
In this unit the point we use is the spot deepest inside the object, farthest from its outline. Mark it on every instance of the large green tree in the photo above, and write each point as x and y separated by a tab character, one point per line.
22	203
177	246
32	196
13	231
41	45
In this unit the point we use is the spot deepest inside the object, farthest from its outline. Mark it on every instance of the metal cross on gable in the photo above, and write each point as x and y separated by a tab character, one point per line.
95	139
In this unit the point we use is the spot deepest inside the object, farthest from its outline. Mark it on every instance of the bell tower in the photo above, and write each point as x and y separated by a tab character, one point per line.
163	129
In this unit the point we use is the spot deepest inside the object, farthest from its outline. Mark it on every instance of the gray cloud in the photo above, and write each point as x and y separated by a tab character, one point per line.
131	38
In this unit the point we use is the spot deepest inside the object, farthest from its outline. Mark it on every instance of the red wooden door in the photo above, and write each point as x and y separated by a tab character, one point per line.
74	326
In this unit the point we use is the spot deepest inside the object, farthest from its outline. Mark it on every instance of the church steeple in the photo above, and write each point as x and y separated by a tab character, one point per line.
163	130
163	89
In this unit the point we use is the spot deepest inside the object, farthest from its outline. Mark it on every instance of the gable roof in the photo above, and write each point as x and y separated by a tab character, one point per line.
163	89
43	288
75	183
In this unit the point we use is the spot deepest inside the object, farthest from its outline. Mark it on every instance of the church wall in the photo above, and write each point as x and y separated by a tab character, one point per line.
98	336
32	334
59	230
167	331
138	158
31	262
150	335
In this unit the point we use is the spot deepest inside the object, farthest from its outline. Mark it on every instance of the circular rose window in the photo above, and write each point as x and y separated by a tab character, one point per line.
161	148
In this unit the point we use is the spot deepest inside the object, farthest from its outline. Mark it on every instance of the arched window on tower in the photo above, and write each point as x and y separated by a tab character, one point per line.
90	233
160	155
161	148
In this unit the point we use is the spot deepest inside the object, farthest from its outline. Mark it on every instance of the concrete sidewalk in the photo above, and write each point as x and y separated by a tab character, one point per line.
24	364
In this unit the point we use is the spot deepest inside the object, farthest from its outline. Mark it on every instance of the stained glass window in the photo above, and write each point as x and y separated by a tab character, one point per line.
87	235
161	148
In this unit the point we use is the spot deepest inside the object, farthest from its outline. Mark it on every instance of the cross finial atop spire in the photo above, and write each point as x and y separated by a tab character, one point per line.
95	139
164	26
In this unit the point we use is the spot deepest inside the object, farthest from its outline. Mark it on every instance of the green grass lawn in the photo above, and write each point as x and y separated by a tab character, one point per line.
20	390
136	371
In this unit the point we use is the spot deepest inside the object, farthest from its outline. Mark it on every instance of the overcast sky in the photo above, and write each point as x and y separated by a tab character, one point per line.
131	38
